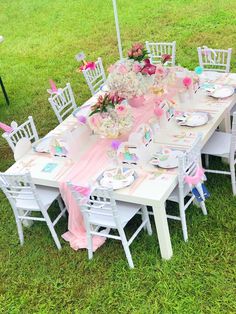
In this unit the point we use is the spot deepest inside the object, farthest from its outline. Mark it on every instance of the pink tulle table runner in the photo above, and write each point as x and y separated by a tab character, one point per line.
91	163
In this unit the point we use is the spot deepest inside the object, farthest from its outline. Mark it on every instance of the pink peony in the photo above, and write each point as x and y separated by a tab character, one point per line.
187	81
148	68
137	68
122	69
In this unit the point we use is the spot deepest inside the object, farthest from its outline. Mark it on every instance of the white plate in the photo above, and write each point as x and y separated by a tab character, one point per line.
193	119
167	161
223	92
43	145
116	184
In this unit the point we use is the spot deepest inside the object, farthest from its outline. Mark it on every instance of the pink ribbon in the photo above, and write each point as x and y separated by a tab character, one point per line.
197	178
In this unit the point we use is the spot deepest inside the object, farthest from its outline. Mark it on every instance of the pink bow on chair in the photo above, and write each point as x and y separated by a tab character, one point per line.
197	178
6	128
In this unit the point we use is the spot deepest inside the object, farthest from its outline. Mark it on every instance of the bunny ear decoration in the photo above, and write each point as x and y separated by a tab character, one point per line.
53	89
6	128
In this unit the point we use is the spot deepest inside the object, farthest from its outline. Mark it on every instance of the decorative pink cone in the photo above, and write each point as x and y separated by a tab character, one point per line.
136	101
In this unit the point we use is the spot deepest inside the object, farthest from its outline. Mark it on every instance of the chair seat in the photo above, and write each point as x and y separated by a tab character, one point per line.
126	212
174	196
218	145
46	194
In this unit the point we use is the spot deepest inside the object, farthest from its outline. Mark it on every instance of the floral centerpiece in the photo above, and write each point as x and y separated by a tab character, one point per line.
111	116
131	78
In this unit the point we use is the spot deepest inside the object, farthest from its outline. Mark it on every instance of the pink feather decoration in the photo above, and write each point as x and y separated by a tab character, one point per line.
6	128
53	86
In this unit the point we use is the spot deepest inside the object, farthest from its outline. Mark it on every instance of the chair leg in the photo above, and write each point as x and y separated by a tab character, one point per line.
126	247
52	230
206	161
20	230
90	244
232	170
146	217
183	223
203	207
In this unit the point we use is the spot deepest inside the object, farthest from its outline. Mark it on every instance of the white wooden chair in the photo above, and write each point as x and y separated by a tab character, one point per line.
63	103
102	211
25	130
188	164
26	198
157	50
214	59
223	145
95	78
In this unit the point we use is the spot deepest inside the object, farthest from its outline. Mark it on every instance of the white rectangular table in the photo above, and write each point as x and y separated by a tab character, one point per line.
150	189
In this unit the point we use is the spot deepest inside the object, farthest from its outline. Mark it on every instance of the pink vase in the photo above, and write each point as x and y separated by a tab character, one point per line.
136	101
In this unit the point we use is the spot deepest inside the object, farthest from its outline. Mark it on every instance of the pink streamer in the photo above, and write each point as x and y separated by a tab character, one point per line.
90	165
53	86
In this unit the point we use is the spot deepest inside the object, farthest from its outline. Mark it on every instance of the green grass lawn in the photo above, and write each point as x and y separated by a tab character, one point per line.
41	40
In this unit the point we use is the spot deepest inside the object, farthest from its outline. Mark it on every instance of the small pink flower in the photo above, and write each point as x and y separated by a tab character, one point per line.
166	57
137	68
158	111
187	81
160	70
95	120
111	68
130	53
121	109
122	69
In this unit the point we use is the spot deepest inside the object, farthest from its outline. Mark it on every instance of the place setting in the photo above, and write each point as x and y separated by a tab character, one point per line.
166	158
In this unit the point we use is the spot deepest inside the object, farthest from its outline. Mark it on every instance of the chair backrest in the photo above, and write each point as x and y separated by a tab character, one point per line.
95	78
188	163
157	50
63	102
19	187
101	202
27	130
214	59
22	147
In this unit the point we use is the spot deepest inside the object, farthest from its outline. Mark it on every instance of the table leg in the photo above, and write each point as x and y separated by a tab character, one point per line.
163	233
225	126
